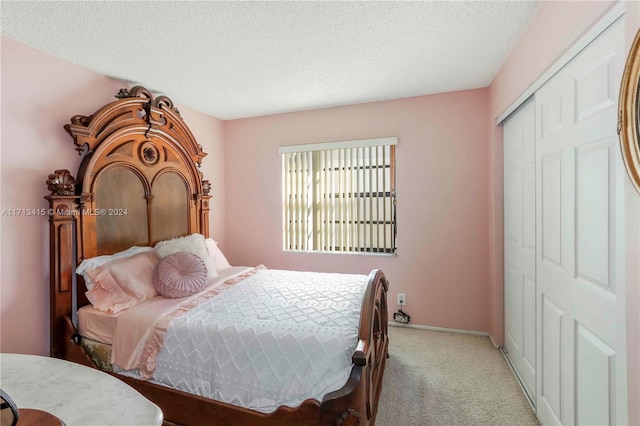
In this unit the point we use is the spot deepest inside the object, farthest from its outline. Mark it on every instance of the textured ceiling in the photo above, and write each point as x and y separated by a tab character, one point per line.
235	59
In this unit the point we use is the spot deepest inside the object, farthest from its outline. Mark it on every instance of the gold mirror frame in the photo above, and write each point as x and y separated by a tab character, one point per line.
629	113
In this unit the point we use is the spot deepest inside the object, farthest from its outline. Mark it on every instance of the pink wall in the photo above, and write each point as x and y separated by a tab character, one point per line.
40	94
556	27
442	262
209	132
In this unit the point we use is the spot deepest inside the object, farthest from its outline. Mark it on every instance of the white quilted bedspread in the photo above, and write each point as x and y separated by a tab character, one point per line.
275	338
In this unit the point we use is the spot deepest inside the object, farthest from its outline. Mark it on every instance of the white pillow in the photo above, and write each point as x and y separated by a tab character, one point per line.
193	244
96	262
218	258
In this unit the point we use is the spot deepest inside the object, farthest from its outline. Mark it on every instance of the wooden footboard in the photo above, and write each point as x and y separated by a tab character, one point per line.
354	404
357	401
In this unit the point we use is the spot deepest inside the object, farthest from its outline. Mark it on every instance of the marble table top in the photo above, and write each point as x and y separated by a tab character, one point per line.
76	394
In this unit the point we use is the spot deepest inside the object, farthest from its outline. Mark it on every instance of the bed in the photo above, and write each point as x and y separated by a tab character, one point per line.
138	184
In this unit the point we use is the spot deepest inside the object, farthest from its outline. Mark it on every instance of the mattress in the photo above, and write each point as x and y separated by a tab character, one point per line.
96	325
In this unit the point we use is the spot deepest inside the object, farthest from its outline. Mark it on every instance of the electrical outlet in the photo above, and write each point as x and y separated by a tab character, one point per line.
401	299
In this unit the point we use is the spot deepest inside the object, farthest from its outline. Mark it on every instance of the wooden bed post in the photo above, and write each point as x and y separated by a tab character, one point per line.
203	207
62	212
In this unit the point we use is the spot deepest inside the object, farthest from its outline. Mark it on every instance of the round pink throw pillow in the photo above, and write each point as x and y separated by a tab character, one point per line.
180	274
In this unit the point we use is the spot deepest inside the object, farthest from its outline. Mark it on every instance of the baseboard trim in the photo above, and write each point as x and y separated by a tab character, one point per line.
493	342
450	330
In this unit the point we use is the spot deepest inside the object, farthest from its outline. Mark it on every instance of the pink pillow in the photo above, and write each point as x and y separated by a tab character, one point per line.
180	274
96	262
123	283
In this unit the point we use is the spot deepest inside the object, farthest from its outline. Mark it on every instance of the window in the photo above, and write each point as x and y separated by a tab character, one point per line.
340	196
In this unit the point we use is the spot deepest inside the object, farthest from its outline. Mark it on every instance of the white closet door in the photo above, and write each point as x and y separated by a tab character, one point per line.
580	238
520	245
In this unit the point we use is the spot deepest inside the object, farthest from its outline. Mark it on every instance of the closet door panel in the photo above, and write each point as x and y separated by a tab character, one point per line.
580	281
529	210
551	362
551	207
596	87
514	300
529	324
520	245
595	361
592	213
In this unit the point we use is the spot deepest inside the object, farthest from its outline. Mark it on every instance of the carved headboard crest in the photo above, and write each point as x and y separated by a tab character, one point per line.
139	91
135	111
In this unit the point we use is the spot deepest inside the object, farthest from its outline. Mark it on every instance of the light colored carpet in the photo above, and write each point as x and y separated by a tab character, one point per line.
440	378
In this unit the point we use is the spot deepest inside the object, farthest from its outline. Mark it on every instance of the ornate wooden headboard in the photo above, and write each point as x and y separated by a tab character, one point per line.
138	184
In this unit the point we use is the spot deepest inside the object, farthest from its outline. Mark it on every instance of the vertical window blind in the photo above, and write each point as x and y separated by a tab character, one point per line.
340	196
